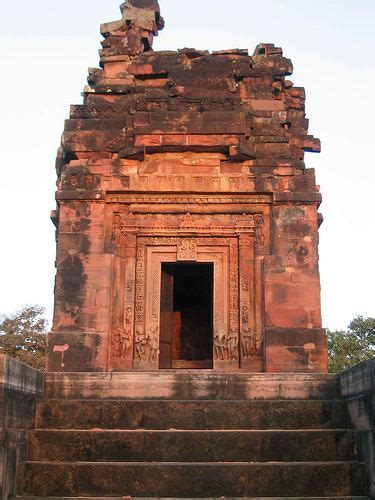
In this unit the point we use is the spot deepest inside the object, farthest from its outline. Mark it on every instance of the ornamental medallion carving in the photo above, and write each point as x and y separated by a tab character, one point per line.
187	250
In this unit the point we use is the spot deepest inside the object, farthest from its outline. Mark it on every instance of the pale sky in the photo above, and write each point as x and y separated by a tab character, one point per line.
46	50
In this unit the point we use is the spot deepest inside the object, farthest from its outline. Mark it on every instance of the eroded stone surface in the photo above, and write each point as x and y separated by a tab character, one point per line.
186	157
358	388
20	386
190	480
158	415
192	384
191	446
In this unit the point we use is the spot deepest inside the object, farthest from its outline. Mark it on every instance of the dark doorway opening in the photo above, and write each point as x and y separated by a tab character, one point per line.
186	319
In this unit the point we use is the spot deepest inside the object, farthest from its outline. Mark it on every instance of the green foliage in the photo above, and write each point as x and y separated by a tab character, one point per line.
23	336
350	347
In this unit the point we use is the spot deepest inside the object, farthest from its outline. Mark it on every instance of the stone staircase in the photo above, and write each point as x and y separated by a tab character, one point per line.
192	435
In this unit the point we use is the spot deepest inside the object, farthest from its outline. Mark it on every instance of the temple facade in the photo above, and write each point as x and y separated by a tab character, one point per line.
186	220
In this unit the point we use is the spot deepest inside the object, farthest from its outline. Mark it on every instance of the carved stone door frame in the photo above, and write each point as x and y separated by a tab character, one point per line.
235	243
223	254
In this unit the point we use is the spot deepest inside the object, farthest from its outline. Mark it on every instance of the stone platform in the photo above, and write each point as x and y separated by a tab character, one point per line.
201	498
173	434
191	384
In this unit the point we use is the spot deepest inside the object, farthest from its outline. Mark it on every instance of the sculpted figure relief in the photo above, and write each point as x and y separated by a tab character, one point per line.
121	342
251	344
147	344
225	345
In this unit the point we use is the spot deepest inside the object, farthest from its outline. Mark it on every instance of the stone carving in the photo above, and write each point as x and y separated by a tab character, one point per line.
121	342
201	199
172	241
218	291
251	344
187	250
259	235
139	343
116	234
140	288
155	296
188	221
147	344
225	346
129	290
234	287
128	315
126	222
245	315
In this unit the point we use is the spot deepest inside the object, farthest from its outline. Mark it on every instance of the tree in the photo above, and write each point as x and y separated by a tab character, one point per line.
347	348
23	336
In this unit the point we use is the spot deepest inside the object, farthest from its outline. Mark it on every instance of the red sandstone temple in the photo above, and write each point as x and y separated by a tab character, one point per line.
187	223
187	263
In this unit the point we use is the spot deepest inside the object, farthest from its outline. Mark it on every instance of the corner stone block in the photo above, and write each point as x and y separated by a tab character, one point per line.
296	350
77	352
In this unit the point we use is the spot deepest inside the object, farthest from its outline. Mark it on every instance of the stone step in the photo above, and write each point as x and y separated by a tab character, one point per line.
122	414
196	498
193	480
191	446
191	385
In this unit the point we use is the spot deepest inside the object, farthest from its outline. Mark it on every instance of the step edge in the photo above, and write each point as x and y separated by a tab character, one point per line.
197	431
205	464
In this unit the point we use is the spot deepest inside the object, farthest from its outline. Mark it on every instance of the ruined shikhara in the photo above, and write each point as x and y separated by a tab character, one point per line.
187	223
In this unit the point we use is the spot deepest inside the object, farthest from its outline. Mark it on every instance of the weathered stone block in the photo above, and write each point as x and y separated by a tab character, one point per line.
296	350
20	386
358	388
76	351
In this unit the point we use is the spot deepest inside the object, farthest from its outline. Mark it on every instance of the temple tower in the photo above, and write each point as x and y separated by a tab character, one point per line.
187	223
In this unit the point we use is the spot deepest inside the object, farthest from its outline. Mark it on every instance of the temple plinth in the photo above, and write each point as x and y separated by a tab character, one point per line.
187	222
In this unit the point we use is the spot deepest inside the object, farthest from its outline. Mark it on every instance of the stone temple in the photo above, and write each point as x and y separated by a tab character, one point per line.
187	358
187	223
